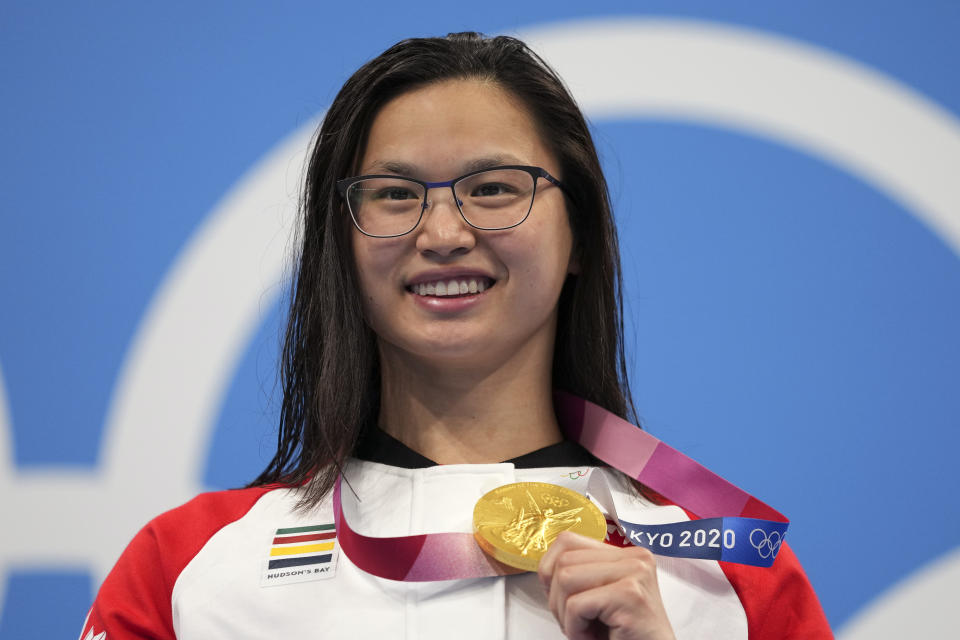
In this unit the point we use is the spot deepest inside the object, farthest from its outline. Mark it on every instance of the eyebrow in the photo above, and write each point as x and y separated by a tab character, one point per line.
413	171
490	162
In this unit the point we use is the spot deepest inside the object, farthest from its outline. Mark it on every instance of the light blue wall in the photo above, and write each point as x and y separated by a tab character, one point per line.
791	325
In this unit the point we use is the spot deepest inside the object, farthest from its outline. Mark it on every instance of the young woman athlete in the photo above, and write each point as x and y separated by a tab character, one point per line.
458	266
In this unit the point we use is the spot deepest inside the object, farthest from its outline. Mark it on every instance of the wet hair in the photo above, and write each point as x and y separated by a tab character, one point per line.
330	370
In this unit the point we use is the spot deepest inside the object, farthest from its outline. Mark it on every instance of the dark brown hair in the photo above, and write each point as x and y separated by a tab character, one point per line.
330	369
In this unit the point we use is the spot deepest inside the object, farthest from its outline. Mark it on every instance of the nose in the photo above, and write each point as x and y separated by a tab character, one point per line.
442	230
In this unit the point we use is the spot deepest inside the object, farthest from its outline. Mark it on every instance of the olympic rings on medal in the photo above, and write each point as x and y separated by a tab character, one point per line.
766	544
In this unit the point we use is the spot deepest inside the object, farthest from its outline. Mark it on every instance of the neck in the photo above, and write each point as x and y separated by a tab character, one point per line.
459	415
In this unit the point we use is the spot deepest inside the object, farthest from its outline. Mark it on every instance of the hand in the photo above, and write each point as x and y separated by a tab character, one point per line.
600	591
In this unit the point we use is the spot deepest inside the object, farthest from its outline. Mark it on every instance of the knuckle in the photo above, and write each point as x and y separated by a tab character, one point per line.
620	619
643	559
637	567
565	574
577	606
644	554
563	561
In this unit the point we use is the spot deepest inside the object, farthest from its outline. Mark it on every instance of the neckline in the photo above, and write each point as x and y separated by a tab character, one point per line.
376	445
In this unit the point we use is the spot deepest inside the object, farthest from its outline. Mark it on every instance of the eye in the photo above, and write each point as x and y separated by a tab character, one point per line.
396	193
492	189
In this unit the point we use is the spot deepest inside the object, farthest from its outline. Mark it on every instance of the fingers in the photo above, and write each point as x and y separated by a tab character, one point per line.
580	571
603	612
596	589
565	542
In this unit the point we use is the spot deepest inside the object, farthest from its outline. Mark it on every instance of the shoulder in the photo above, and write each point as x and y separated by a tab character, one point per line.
179	534
134	599
191	524
778	600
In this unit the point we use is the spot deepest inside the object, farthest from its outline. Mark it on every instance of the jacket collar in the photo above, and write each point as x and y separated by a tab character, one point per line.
377	445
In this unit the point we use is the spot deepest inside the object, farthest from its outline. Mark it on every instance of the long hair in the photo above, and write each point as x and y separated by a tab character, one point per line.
329	367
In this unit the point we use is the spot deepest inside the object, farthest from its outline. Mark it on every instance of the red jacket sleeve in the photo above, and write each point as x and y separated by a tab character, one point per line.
778	600
134	601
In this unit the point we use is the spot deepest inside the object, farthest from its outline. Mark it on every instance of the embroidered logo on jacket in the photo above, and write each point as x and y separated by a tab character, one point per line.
301	554
100	636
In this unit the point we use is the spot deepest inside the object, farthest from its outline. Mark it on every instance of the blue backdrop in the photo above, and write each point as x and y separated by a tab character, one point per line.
791	263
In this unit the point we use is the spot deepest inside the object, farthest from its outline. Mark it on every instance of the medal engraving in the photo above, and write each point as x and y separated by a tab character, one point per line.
516	523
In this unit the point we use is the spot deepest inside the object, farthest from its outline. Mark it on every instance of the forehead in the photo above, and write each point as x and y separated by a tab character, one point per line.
444	128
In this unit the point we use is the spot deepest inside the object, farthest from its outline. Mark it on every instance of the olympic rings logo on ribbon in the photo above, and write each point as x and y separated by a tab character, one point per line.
767	544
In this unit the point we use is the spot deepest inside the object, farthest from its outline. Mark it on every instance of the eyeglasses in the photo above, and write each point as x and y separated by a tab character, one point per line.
385	206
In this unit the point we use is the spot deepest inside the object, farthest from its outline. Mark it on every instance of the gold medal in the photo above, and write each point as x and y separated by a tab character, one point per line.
516	523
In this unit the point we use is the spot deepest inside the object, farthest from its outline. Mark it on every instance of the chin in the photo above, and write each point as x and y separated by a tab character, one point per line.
448	348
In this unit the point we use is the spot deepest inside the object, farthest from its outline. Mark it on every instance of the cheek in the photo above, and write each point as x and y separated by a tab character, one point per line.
374	266
550	251
541	263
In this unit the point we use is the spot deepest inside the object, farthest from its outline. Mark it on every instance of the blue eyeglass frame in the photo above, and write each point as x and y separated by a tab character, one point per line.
535	172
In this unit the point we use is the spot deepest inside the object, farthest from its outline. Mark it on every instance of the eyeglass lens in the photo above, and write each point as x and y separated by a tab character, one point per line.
494	199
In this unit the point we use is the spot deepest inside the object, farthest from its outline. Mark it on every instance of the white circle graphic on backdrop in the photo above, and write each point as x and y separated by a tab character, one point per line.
186	350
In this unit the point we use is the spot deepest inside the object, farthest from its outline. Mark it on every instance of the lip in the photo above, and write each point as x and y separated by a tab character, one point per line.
448	304
434	275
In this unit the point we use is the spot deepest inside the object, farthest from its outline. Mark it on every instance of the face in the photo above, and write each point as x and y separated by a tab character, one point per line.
435	134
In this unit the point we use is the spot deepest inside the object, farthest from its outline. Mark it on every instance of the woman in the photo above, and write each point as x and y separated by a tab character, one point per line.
458	264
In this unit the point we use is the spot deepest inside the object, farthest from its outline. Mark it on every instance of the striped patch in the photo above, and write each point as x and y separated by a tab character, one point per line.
300	554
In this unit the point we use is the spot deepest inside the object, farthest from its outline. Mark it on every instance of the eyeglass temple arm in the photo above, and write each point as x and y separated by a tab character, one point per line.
549	178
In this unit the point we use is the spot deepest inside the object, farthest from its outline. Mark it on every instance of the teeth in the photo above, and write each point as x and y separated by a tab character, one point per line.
450	287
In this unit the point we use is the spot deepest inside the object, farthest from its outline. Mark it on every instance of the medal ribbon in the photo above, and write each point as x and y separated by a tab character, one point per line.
734	526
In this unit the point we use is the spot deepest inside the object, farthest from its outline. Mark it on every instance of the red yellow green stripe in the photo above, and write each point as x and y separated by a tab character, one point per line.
303	548
308	529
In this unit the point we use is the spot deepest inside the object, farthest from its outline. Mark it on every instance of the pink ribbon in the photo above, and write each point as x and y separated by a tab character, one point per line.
625	447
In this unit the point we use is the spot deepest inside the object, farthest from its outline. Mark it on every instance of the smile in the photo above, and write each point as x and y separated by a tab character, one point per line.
452	287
